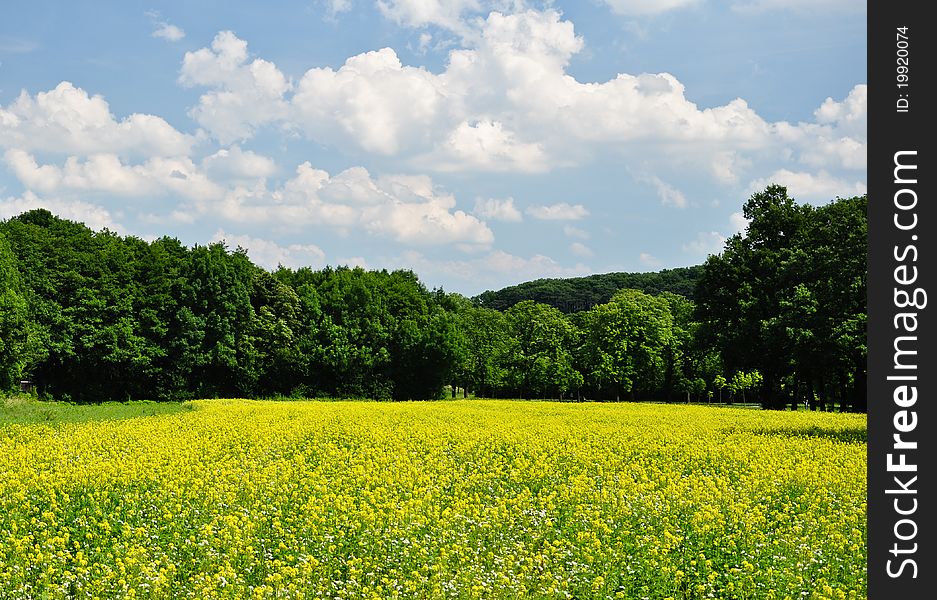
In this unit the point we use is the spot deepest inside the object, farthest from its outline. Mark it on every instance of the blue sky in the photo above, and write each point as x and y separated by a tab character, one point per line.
480	143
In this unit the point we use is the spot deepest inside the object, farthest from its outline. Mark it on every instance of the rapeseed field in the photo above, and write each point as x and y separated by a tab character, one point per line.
458	499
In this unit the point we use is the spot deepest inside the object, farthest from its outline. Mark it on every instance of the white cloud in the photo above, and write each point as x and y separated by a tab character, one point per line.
420	13
575	232
505	102
245	95
67	120
646	8
486	146
838	137
425	39
726	165
407	209
669	195
236	164
105	173
164	29
820	187
558	212
95	217
271	255
706	243
850	114
497	210
169	32
845	152
336	7
372	102
738	222
580	249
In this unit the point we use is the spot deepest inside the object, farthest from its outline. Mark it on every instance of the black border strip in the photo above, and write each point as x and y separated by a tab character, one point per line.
900	127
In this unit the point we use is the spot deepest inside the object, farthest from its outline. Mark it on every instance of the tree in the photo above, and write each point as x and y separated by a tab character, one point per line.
540	356
627	342
13	319
787	298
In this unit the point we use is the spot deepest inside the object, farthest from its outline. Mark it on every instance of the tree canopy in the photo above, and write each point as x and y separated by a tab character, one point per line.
777	317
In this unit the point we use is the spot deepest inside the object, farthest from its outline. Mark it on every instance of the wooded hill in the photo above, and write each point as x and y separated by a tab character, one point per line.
574	294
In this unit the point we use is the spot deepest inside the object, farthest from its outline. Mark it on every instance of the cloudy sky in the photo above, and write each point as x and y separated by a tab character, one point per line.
480	143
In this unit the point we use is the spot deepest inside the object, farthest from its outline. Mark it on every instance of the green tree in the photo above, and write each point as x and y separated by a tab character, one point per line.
13	320
787	298
540	352
627	343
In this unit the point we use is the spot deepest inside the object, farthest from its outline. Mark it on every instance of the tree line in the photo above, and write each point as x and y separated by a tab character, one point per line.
777	318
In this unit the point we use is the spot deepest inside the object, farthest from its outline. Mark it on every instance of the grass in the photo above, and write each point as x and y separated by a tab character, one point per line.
26	410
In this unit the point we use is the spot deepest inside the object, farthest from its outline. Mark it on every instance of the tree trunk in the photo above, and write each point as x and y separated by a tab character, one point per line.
843	392
859	399
822	393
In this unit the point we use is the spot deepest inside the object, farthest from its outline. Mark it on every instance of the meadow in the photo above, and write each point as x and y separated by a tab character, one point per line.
455	499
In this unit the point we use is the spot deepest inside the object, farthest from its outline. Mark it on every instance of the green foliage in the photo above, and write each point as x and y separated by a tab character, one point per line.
539	355
779	316
582	293
627	342
13	320
787	298
23	410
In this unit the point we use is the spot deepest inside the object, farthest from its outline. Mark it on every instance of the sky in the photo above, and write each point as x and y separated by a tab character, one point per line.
480	143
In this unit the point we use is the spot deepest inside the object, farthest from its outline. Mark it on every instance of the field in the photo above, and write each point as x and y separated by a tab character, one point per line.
457	499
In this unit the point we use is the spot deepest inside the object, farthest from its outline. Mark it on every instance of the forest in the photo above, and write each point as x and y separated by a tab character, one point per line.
777	318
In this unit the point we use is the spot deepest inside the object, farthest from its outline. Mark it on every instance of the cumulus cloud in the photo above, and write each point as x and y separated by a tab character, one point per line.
845	152
558	212
850	114
820	187
236	164
497	210
407	209
94	216
838	137
505	102
67	120
446	14
271	255
726	166
107	174
246	93
371	101
487	146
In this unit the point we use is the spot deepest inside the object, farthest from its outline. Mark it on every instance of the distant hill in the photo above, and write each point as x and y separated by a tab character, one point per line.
581	293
